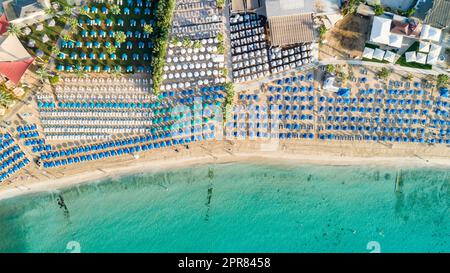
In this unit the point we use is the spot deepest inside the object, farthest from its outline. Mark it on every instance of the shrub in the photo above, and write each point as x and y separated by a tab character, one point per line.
442	80
54	79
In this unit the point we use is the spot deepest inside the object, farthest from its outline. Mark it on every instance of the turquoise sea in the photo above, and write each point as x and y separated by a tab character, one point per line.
238	207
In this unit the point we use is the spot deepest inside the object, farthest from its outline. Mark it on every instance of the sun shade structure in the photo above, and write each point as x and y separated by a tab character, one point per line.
433	54
14	58
410	56
381	33
389	56
368	53
292	29
421	58
378	54
4	24
424	46
430	33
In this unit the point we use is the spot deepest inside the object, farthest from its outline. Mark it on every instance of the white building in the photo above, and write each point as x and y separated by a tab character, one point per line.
21	12
381	33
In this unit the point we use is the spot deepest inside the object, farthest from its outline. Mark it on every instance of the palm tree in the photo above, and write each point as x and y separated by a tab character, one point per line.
50	11
67	10
148	29
42	73
111	49
67	36
120	37
186	42
14	30
82	11
55	50
73	24
115	9
5	97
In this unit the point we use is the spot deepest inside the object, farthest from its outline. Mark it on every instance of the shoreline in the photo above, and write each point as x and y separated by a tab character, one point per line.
275	158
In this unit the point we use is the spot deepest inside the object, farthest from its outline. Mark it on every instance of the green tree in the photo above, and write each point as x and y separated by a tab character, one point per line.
67	10
384	73
120	37
442	80
164	13
111	49
14	30
220	4
221	48
42	73
148	28
187	42
410	12
55	51
115	9
220	38
378	9
50	12
229	89
72	22
197	44
6	98
322	31
67	36
83	12
351	6
175	40
330	68
409	77
54	79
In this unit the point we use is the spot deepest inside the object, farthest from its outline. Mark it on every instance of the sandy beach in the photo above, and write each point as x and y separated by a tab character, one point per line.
217	152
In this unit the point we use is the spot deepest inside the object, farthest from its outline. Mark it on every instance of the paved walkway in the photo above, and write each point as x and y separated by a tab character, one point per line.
434	71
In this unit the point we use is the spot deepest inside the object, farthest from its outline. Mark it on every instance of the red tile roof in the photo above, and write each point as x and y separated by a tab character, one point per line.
4	24
15	70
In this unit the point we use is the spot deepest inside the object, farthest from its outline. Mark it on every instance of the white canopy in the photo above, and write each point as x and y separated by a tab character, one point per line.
11	49
381	28
381	33
378	54
424	46
433	54
368	53
410	56
432	59
395	40
389	56
421	58
430	33
435	49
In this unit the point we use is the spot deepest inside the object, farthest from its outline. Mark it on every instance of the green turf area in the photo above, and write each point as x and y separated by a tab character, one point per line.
371	46
115	18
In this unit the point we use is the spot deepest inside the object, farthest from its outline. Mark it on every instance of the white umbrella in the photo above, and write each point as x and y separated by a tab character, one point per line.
27	31
45	38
